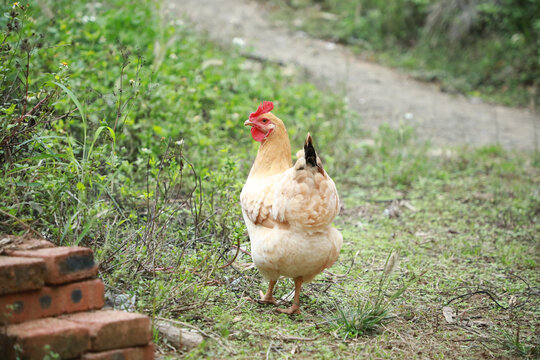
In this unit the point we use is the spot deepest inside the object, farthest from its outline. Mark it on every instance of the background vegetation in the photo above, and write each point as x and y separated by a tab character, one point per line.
122	130
482	48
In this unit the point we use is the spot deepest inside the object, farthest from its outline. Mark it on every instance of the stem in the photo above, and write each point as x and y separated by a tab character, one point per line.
120	90
26	85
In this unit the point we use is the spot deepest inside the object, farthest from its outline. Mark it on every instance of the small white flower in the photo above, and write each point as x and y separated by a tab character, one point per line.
86	19
146	151
239	42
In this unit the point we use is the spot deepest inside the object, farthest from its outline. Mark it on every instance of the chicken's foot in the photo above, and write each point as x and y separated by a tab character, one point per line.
295	307
268	298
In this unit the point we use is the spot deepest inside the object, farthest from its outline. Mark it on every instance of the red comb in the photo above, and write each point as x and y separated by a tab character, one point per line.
264	107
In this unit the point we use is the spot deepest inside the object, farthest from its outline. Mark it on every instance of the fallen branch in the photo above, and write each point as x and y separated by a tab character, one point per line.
470	294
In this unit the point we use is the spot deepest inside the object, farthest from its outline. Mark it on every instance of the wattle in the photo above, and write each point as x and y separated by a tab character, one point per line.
257	134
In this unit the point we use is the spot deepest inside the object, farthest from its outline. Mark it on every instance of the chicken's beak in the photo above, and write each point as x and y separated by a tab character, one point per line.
248	123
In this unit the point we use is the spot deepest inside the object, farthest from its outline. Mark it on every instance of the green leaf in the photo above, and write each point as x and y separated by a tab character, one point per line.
96	135
81	111
9	110
74	99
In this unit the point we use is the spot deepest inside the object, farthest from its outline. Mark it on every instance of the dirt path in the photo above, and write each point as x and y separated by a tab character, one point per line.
377	93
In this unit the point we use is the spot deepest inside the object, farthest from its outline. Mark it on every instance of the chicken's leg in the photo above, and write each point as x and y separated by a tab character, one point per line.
268	298
295	307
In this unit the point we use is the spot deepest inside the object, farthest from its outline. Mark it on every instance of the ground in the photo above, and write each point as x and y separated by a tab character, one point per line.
461	220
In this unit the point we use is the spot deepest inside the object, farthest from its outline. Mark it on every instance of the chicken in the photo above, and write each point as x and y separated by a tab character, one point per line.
288	210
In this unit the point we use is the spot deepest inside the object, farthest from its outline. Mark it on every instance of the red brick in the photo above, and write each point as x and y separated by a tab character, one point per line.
113	329
52	301
66	338
20	274
133	353
64	264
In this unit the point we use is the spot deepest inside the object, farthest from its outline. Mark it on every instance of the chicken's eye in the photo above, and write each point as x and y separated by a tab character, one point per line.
265	120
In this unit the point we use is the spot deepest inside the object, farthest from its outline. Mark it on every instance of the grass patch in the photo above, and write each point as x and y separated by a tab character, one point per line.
370	314
136	148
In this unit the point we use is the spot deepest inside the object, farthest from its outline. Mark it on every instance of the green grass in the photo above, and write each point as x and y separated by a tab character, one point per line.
467	231
141	152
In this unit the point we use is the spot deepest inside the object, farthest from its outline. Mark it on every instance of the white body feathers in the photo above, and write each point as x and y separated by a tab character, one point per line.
289	220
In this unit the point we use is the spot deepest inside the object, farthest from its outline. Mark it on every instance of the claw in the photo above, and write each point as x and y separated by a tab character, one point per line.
293	310
266	299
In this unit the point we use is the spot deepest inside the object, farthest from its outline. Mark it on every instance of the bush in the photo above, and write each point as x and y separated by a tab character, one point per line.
122	132
478	47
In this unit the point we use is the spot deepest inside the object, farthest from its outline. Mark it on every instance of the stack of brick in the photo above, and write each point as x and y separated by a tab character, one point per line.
50	303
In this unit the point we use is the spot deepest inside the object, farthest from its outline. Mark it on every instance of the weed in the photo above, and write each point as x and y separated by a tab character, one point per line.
513	343
371	313
25	102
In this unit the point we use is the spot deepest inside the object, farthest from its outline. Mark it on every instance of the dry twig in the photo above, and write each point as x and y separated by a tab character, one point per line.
470	294
23	224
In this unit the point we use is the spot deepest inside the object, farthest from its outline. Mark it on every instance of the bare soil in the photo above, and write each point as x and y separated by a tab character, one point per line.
378	94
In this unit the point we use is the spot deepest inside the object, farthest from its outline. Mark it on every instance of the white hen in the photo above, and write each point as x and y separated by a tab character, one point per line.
288	210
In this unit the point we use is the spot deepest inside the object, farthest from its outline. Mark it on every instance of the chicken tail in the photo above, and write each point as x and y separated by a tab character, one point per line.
309	152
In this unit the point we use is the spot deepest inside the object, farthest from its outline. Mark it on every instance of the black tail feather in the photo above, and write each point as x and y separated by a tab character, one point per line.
309	152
